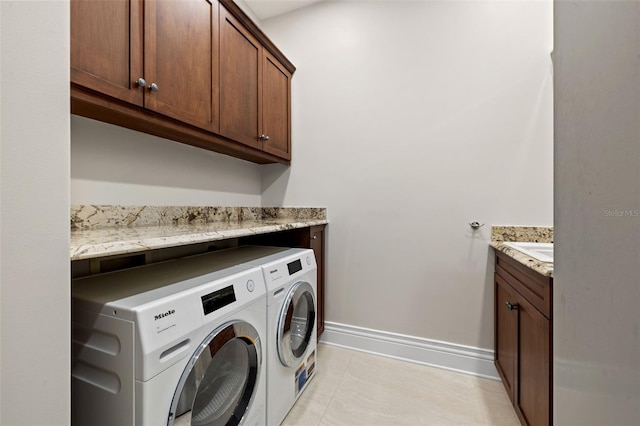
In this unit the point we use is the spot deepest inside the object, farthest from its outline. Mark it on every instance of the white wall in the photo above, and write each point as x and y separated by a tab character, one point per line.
410	120
34	215
597	157
114	165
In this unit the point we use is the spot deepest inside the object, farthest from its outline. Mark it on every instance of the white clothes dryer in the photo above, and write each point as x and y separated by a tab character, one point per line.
175	343
291	280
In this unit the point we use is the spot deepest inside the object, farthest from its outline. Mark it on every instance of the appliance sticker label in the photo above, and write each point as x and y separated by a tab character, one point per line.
305	372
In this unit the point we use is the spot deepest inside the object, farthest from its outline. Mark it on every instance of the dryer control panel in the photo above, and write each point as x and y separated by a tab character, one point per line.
291	267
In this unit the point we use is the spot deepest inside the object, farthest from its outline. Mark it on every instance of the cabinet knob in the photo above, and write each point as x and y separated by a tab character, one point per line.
512	307
315	237
154	87
264	138
141	82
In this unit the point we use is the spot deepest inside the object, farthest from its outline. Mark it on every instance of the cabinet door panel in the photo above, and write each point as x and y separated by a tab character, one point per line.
106	47
276	107
240	82
181	54
316	243
506	334
532	396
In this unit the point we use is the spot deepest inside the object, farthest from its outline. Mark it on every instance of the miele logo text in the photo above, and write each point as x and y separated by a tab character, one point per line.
164	314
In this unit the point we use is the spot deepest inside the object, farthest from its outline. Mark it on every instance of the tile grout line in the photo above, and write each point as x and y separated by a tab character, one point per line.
333	393
476	392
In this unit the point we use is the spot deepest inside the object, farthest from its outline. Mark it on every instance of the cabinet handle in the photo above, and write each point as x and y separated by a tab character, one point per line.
512	307
141	82
154	87
315	237
264	138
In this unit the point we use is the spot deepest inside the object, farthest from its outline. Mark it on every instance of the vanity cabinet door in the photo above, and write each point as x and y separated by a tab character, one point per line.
532	398
506	334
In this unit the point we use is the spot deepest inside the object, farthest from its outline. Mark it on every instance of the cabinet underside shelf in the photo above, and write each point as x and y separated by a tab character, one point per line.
98	107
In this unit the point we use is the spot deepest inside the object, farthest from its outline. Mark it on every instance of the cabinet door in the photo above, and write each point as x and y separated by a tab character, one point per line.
106	47
316	243
506	337
240	82
181	58
533	395
276	107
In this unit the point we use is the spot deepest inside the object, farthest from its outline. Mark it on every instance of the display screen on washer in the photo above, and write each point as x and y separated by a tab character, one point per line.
294	266
218	299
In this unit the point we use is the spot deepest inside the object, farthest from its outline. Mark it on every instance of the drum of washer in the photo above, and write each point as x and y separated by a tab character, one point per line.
220	380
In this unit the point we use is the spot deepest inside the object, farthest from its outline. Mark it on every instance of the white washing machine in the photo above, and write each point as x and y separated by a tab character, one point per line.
176	343
291	280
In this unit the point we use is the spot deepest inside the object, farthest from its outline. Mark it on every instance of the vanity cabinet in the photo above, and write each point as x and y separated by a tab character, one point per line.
194	71
523	339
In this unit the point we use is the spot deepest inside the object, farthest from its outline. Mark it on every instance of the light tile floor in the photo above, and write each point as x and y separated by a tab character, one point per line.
354	388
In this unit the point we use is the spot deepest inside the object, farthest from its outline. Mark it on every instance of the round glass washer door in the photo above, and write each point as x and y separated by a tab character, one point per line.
218	384
295	323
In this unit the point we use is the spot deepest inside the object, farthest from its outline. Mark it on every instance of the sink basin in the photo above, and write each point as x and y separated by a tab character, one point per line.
540	251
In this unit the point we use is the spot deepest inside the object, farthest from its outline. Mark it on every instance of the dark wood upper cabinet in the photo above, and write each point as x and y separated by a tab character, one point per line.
255	91
276	107
106	47
181	60
240	82
198	72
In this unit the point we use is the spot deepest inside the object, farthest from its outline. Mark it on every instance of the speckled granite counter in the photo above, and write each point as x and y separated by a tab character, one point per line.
98	231
538	234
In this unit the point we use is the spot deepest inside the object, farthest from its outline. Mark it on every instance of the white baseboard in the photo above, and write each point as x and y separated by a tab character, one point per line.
449	356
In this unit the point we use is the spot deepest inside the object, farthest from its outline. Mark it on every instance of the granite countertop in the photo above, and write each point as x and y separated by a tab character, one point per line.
538	234
98	231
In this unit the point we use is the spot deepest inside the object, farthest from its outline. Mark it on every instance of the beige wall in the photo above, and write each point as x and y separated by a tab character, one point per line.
34	216
410	120
597	213
114	165
404	145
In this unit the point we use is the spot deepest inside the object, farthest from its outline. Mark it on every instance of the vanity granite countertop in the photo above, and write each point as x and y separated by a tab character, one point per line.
99	230
539	234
